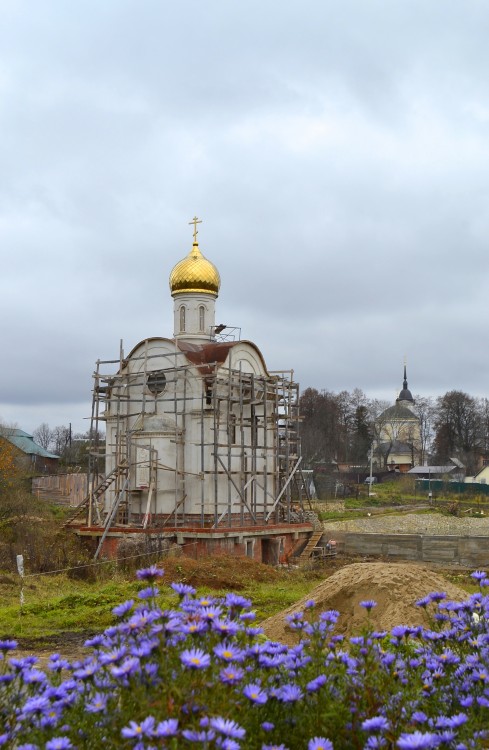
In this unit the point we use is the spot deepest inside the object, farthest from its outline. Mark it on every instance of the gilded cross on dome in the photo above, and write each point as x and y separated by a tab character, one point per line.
195	221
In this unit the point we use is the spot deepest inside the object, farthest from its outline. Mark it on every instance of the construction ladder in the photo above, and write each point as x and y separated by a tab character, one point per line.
120	470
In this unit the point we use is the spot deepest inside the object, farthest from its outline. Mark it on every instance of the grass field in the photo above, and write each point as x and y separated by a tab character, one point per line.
56	604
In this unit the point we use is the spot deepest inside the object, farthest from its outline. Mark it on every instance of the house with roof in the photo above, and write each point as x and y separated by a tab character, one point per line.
29	454
481	477
455	470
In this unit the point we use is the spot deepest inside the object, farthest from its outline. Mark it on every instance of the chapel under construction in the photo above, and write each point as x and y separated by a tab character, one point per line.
202	445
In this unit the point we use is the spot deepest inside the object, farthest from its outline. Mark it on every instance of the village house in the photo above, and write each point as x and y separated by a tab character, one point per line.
30	456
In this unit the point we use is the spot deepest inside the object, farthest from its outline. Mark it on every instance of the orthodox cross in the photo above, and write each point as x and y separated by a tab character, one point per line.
195	221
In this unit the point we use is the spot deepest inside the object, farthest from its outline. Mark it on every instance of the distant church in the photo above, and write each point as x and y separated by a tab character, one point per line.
398	444
202	446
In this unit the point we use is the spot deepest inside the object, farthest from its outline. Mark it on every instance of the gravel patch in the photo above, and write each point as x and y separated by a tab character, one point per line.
431	524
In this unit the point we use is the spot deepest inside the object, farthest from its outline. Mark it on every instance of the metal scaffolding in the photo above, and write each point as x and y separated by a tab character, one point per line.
249	457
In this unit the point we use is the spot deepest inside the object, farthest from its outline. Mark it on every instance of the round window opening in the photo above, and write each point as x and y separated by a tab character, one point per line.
156	382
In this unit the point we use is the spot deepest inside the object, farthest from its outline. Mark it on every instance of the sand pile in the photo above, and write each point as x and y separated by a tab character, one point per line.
394	586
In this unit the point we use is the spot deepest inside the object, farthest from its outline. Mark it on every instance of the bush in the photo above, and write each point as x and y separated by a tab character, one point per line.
201	674
453	509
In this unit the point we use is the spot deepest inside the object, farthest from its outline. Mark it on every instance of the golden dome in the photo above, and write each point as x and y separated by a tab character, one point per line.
195	274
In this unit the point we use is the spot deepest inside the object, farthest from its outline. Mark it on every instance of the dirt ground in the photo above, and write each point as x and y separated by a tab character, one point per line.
394	586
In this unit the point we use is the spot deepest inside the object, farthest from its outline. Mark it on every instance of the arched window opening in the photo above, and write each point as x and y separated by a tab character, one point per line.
201	318
182	319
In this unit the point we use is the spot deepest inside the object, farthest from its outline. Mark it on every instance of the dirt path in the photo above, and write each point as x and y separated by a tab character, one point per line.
69	645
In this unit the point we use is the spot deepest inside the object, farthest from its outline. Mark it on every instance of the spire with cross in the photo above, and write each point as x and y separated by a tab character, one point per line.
195	221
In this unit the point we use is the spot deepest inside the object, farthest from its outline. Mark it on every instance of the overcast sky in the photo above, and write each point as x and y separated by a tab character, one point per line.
337	152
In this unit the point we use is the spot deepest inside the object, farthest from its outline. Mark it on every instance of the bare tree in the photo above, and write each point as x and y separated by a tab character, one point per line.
424	408
61	439
43	435
458	428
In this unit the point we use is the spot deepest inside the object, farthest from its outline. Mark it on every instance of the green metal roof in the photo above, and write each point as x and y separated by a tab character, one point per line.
26	443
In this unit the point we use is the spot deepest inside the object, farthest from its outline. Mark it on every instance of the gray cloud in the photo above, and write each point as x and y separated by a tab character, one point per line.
336	151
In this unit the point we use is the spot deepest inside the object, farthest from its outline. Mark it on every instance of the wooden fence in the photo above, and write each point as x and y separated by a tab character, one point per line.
64	489
466	551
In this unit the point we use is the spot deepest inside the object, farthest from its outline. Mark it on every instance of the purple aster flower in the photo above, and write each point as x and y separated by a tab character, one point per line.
320	743
8	645
267	726
418	741
247	616
228	652
451	722
357	640
235	601
183	589
128	667
368	605
36	705
193	627
144	648
375	724
149	574
252	632
97	704
211	613
290	693
113	656
59	743
225	627
437	596
419	717
121	610
255	694
138	621
331	615
97	640
481	675
194	735
375	743
229	744
27	746
148	593
32	676
295	620
87	671
314	685
206	601
228	728
57	664
478	575
167	728
231	676
144	729
195	658
399	631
